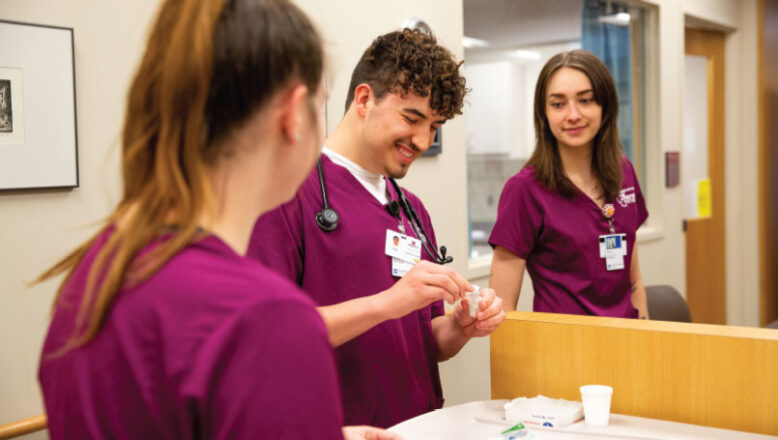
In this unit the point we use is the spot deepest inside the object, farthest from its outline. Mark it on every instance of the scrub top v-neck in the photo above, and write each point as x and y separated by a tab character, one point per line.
213	345
559	238
389	373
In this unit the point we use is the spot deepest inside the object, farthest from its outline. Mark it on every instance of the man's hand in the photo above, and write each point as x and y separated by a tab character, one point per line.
368	433
490	315
424	284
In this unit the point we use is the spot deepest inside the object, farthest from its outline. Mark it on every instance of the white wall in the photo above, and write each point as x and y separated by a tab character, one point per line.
741	145
662	258
39	227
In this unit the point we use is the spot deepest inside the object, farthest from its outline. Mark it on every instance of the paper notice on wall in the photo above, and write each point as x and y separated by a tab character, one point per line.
704	200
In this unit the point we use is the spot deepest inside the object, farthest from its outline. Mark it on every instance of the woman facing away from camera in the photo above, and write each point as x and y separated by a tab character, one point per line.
161	328
571	214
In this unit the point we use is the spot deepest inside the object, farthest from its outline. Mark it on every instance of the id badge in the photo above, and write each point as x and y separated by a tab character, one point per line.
402	247
613	248
400	267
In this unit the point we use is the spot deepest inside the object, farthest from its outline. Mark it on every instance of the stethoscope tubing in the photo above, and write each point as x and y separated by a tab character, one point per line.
415	222
407	208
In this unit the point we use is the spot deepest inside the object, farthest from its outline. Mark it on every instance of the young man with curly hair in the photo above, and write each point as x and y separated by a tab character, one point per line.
384	314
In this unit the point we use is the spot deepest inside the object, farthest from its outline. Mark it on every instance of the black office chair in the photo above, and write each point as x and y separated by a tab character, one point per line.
665	303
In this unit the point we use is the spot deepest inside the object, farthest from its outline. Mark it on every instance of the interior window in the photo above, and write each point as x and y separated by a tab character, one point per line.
506	43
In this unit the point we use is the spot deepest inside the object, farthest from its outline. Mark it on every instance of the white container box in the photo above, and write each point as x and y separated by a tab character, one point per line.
542	411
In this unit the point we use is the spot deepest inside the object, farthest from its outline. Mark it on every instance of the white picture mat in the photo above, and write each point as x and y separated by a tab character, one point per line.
47	157
15	137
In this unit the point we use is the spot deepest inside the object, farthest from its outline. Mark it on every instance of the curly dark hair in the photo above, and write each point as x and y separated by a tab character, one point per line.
411	60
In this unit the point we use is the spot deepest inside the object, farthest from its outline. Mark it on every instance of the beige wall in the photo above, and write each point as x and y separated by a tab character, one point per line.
39	227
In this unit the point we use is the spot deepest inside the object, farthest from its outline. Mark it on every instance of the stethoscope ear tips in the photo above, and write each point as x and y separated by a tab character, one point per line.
327	219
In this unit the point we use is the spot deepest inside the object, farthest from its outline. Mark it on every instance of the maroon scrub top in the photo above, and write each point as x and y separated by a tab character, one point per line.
559	240
213	345
389	373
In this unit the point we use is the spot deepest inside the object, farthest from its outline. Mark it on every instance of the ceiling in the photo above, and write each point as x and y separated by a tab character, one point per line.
519	23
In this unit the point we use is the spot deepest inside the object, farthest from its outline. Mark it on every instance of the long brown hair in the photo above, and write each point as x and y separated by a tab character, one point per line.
208	66
606	152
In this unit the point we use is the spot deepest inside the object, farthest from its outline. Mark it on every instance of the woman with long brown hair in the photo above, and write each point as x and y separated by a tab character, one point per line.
570	215
161	328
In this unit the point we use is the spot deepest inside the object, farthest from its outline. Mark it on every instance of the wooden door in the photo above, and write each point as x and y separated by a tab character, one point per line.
768	160
705	248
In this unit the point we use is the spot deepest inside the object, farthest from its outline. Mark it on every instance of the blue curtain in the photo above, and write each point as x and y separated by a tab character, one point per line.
612	43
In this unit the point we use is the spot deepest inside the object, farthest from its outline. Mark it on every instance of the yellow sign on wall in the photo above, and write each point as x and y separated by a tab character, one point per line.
704	201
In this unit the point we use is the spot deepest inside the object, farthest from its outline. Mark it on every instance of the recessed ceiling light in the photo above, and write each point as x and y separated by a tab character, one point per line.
473	42
619	19
526	54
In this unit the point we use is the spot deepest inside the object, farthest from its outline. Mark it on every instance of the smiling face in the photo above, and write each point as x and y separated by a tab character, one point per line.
573	115
397	130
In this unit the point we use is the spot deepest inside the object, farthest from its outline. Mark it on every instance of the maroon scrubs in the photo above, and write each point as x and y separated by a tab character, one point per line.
389	373
213	345
559	239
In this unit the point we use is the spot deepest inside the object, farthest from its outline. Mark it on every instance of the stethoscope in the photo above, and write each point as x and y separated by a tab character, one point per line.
327	218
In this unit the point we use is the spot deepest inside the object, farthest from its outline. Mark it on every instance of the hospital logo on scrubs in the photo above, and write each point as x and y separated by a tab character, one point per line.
627	196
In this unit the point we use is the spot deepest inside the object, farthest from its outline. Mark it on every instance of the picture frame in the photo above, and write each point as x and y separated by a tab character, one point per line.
436	147
38	134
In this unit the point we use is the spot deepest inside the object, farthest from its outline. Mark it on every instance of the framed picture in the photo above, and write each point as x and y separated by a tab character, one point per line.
437	144
38	139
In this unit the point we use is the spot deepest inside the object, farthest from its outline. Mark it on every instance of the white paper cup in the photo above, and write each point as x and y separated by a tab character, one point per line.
596	404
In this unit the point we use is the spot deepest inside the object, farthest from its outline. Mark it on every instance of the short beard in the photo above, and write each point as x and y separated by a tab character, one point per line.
397	175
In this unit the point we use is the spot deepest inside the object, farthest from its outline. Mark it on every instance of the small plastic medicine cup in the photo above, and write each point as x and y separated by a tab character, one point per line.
473	301
596	404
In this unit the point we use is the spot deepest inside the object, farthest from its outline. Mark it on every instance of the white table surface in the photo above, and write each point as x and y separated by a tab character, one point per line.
480	420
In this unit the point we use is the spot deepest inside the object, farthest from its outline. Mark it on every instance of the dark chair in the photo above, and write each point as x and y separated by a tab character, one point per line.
666	304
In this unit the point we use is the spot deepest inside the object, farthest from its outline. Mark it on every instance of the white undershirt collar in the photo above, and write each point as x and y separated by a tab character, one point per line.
374	183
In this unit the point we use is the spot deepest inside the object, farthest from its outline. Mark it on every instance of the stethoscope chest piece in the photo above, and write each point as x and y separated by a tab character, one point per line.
327	219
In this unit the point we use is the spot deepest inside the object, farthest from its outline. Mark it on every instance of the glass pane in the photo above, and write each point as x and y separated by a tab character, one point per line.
613	31
506	45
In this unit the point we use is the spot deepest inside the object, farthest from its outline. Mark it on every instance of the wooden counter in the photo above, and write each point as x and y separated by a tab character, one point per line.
720	376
